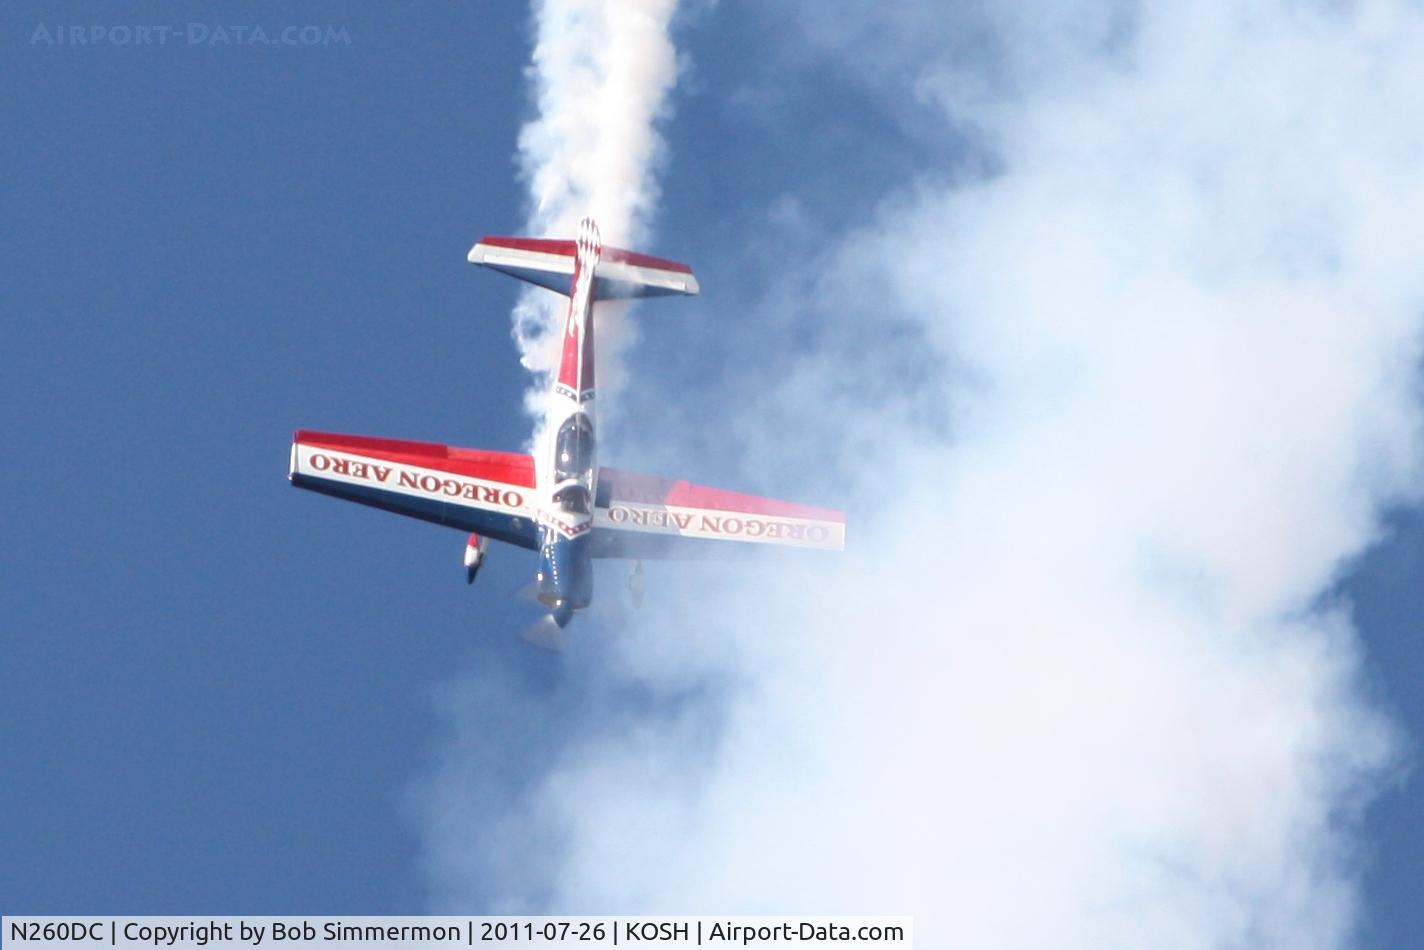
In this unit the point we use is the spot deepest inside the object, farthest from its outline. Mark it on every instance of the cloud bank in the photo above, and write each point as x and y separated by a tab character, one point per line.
1109	423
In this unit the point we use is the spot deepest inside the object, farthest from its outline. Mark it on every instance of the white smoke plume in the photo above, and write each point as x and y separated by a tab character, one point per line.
602	71
1109	422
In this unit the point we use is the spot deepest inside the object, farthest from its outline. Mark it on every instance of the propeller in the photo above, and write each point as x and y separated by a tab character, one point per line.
546	634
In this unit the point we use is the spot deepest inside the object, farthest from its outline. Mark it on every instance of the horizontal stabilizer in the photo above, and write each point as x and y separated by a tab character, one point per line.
550	263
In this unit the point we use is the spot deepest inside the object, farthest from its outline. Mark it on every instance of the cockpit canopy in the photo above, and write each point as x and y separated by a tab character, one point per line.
573	451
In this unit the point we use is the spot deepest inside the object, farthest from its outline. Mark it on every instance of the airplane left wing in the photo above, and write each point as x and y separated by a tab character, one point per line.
488	493
643	516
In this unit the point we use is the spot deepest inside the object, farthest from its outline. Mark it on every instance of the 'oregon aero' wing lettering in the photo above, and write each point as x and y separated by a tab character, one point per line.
488	493
644	516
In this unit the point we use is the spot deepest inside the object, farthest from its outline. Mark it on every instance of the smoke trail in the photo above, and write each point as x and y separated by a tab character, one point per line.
1076	684
602	72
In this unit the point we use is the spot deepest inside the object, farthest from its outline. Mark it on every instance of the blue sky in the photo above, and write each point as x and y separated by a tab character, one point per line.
226	695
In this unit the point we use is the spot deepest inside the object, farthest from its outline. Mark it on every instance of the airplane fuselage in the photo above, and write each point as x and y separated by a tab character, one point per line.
568	453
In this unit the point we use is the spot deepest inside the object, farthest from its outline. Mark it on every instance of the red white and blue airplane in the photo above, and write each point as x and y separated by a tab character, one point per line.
558	501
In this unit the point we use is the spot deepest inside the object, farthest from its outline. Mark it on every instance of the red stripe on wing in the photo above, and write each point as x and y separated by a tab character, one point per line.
510	468
651	490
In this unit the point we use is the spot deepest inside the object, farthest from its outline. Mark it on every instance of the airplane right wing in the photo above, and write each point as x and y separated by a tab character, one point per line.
643	516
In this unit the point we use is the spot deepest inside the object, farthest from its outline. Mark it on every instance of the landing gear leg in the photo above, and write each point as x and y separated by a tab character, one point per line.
635	583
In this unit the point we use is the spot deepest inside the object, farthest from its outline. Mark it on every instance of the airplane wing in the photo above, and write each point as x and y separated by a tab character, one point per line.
488	493
643	516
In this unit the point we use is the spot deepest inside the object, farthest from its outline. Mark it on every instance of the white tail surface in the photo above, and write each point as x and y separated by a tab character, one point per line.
620	274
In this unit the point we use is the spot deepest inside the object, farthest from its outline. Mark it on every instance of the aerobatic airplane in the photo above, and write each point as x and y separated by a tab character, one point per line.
558	501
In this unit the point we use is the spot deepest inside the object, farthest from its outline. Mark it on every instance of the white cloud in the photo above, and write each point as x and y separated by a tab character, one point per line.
602	72
1073	685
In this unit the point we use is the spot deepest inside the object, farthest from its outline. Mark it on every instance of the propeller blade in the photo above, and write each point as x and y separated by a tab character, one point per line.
528	592
546	634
